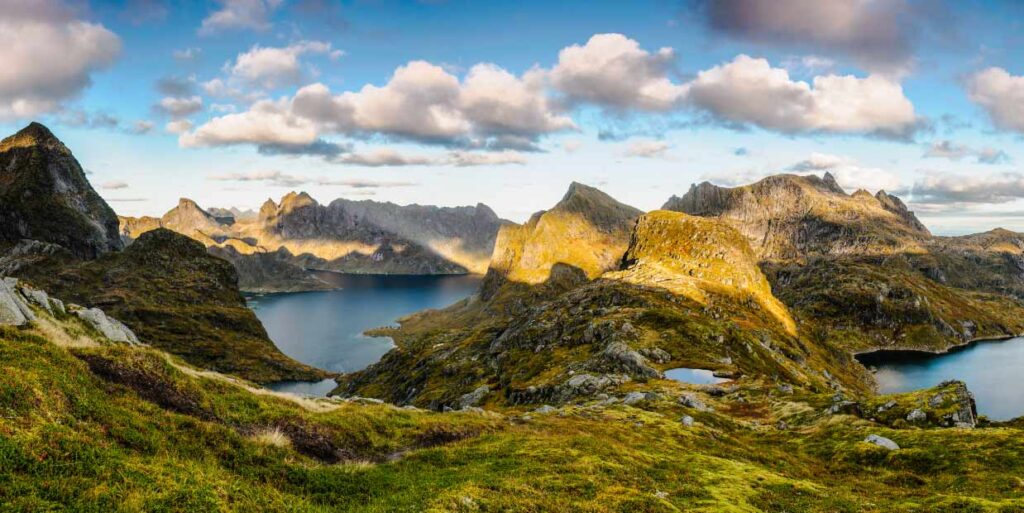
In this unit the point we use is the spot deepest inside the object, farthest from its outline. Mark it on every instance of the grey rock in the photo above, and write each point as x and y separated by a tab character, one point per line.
686	420
109	327
38	297
936	400
786	388
13	310
691	401
882	442
545	409
624	358
656	355
634	398
887	406
917	415
473	398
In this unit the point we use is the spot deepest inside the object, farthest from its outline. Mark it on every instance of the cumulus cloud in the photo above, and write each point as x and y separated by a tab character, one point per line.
271	67
952	151
647	149
421	102
178	108
612	70
240	14
176	86
83	119
879	34
750	91
49	56
947	188
848	172
1001	95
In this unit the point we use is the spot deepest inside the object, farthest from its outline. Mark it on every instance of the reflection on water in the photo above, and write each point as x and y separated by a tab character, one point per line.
693	376
313	388
325	329
993	371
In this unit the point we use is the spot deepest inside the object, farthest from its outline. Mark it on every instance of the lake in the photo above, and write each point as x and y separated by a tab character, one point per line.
325	328
694	376
993	371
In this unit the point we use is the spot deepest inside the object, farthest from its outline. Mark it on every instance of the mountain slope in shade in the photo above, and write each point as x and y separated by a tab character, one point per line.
787	217
45	196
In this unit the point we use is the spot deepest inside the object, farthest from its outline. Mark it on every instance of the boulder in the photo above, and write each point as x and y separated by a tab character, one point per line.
882	442
686	420
109	327
473	398
917	415
624	358
13	309
691	401
37	297
634	398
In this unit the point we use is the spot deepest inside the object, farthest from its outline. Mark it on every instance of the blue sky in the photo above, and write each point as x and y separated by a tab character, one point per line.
456	102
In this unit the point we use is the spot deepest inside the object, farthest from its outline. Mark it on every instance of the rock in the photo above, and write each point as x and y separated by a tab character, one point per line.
545	409
38	297
624	358
107	326
781	425
473	398
882	442
13	309
887	406
656	355
917	415
686	420
937	400
633	398
786	388
691	401
847	407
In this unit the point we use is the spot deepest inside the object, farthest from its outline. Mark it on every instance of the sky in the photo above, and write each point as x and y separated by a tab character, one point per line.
449	102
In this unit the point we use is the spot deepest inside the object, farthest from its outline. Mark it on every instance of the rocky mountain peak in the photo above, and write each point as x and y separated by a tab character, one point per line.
45	196
831	184
896	206
601	210
293	200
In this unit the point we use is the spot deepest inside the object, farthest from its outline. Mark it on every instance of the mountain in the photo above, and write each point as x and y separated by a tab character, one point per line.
273	249
586	232
45	196
790	217
864	267
590	296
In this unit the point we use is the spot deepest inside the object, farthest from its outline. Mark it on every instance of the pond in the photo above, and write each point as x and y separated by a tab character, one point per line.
325	328
993	371
694	376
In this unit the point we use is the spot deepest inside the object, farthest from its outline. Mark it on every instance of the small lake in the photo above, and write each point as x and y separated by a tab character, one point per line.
993	371
325	328
694	376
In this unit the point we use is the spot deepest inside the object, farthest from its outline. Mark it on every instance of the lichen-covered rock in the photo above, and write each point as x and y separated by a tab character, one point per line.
37	297
917	415
107	326
621	357
691	401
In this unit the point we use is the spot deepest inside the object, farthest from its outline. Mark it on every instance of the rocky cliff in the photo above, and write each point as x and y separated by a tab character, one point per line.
45	196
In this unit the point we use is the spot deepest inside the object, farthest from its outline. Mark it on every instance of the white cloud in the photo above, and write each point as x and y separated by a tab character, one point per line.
240	14
116	185
612	70
647	149
267	122
1001	95
383	157
179	108
953	151
180	126
750	91
849	173
278	179
947	188
48	56
498	102
271	67
468	158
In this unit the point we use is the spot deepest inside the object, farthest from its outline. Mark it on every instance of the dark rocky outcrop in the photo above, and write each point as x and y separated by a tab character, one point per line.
45	196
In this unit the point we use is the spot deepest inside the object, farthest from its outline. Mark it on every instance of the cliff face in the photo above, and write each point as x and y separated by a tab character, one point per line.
587	231
272	248
789	217
45	196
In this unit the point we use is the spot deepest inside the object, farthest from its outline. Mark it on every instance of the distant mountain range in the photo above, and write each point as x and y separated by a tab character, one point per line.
275	248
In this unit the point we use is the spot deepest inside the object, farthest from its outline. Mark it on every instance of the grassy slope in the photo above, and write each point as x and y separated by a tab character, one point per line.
97	427
178	298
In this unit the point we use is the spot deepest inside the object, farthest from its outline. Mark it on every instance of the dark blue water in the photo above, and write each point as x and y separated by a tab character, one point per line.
325	329
694	376
993	371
